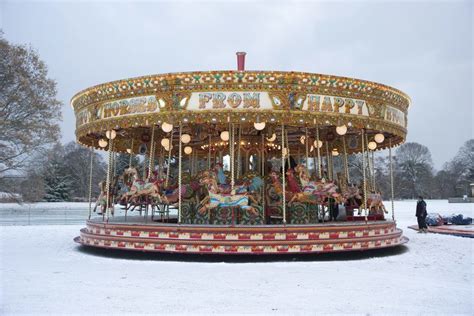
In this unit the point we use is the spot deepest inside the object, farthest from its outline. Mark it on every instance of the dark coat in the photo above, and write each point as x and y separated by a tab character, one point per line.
421	209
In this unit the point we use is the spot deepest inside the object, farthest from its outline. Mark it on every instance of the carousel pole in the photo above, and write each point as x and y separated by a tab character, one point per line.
328	172
363	174
114	166
232	159
307	150
209	154
391	177
109	167
319	154
263	171
283	170
346	164
368	164
262	163
169	158
287	149
161	161
130	155
239	159
373	170
90	182
179	172
151	162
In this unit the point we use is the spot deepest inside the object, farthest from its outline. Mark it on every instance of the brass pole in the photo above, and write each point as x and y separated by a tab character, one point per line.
346	163
307	149
179	172
363	174
130	156
109	167
319	153
90	182
391	177
170	148
283	171
151	162
239	159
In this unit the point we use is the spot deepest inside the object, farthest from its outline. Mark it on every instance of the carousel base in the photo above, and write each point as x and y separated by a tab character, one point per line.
139	234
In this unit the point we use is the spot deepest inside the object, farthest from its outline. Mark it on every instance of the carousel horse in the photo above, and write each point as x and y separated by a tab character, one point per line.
352	196
102	199
216	198
139	189
302	197
374	201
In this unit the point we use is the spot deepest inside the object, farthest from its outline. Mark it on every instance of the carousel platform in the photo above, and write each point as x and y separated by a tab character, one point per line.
454	230
143	234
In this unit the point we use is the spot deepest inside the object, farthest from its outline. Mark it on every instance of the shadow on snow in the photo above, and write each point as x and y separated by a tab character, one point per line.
335	256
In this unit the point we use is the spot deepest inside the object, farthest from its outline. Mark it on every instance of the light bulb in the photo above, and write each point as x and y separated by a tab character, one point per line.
318	144
166	127
225	136
188	150
259	126
103	143
379	138
372	145
185	138
341	130
272	138
111	134
302	139
165	142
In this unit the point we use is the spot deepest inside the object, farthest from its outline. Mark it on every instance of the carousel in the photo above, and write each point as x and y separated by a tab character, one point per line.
241	162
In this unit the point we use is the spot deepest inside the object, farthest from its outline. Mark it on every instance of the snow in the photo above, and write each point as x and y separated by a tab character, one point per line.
44	272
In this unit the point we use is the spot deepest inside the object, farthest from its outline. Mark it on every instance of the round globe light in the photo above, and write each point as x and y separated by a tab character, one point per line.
318	144
188	150
165	142
111	134
225	136
166	127
303	139
341	130
335	152
372	145
272	139
103	143
129	150
185	138
379	138
259	126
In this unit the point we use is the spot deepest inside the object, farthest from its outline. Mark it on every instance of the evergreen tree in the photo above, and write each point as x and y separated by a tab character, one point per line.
57	181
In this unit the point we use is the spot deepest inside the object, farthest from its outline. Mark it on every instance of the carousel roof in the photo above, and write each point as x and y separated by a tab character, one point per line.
206	102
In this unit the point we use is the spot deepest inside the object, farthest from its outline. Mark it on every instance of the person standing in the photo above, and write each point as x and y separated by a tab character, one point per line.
421	215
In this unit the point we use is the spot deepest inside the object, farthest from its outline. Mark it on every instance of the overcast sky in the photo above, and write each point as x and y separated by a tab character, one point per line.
423	48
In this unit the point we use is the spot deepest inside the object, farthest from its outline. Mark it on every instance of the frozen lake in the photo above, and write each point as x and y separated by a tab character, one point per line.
44	272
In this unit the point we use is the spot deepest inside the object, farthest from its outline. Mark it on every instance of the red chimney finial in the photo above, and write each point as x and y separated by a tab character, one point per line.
241	61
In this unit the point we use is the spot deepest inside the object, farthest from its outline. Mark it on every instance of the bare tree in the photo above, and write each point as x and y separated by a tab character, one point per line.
413	170
29	109
77	160
461	169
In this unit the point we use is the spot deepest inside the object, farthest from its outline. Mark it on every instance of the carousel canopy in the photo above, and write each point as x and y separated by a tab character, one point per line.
206	103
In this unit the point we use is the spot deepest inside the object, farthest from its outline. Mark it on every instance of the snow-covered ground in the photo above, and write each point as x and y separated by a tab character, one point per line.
44	272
